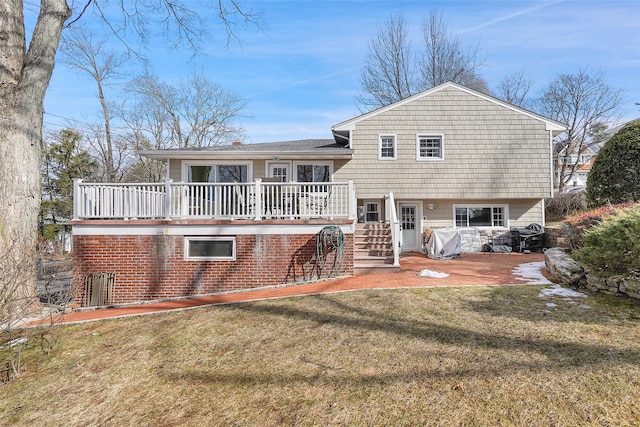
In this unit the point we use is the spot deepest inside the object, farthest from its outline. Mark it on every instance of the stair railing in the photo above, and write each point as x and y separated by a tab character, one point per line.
391	216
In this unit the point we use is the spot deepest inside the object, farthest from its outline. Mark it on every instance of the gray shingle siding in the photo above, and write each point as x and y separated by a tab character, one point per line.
490	151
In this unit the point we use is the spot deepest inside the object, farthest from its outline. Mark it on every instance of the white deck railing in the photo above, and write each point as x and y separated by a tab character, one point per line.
179	200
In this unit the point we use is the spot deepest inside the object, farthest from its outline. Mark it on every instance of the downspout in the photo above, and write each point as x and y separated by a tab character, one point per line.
551	163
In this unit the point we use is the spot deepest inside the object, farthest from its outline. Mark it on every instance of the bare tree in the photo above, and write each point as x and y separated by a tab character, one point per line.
111	155
514	89
196	113
584	102
25	74
40	309
87	53
446	59
394	70
389	74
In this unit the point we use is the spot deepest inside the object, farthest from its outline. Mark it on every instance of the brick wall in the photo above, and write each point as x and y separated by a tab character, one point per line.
150	267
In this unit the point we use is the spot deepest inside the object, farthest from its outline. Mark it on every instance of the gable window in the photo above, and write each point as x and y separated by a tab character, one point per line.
210	248
313	172
429	147
387	147
480	216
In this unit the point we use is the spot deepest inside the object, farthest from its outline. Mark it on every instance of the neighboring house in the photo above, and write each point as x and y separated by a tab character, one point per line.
247	215
582	161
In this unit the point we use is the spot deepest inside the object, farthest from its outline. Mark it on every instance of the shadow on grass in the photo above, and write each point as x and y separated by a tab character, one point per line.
549	355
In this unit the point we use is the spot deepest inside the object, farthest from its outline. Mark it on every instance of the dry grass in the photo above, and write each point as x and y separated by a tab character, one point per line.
470	356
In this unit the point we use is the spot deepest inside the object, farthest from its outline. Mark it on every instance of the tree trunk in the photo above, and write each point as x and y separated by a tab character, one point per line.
24	78
110	169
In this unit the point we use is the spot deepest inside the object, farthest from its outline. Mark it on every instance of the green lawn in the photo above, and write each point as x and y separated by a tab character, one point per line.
468	356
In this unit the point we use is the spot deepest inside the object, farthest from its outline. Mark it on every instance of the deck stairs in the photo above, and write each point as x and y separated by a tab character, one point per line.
373	249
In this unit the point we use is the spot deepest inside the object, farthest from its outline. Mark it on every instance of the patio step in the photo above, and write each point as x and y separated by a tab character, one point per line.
373	249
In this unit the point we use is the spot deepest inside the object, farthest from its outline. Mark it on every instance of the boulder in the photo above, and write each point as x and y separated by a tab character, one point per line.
596	282
564	268
631	286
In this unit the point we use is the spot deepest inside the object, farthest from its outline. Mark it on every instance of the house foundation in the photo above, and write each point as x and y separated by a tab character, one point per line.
155	260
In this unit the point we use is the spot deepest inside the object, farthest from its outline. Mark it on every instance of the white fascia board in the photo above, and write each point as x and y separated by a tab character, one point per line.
242	155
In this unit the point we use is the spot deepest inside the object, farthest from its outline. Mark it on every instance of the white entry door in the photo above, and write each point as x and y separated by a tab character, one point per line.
409	224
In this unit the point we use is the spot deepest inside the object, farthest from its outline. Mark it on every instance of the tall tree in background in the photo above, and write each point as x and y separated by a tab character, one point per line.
394	70
514	89
24	77
86	52
389	74
445	58
195	113
585	102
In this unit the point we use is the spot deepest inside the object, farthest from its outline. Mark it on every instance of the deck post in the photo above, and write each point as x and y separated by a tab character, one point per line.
352	200
167	199
76	198
257	200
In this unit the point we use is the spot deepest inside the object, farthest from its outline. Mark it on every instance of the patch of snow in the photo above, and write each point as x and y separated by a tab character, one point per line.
15	342
550	304
531	273
557	290
433	274
585	306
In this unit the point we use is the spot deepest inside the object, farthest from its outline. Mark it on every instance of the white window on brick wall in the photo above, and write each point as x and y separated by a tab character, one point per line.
480	216
429	147
386	147
210	248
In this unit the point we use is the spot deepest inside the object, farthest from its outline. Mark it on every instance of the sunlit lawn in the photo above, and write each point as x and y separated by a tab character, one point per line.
468	356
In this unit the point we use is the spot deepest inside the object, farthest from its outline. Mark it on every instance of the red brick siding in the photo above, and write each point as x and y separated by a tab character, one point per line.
153	267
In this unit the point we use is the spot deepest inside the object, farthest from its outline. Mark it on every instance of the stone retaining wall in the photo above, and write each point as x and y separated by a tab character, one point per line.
572	273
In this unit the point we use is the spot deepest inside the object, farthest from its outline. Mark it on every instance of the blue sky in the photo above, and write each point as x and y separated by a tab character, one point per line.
299	75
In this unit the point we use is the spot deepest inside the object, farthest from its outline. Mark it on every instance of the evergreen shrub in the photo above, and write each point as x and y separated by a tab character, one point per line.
613	246
577	225
615	175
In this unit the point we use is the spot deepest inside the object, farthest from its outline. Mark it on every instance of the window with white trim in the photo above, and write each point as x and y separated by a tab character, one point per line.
429	147
217	172
372	211
386	147
210	248
480	216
